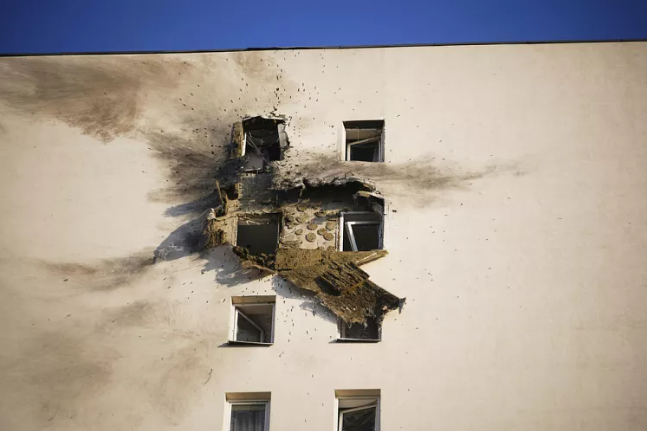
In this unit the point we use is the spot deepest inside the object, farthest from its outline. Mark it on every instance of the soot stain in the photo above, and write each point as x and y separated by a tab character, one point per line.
104	274
64	371
100	96
103	98
105	101
421	175
192	165
198	154
181	379
137	313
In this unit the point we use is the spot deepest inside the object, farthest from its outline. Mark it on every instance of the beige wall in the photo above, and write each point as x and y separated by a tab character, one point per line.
517	231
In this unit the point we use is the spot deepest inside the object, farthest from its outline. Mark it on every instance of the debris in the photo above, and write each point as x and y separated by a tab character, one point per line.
246	199
213	232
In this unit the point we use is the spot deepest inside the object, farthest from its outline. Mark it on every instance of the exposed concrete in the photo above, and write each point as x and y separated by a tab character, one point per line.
515	199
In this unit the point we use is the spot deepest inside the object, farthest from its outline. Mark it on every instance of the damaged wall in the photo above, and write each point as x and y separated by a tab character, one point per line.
284	231
515	198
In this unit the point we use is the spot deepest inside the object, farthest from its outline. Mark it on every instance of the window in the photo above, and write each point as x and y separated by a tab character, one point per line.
364	141
252	320
248	411
264	140
258	234
358	410
356	332
361	231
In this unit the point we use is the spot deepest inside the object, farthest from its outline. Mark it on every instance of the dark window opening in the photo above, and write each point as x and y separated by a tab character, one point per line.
248	417
358	332
253	323
358	413
248	411
365	152
359	419
361	231
258	234
264	142
364	141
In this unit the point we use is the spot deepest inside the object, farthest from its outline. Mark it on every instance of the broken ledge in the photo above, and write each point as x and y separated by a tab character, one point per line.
333	276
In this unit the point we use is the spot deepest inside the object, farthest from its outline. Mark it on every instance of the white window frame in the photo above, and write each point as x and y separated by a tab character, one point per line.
351	236
376	404
266	403
234	320
345	147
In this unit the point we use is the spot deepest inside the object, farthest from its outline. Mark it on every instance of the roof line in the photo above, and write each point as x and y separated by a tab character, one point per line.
338	47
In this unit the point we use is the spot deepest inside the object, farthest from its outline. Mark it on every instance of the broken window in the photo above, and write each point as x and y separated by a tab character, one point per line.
259	234
253	319
357	332
364	141
361	231
358	412
248	411
264	140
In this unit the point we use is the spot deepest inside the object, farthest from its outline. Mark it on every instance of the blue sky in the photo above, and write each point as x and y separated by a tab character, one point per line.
46	26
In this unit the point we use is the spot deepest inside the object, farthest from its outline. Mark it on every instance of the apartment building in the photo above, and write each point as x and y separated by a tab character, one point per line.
390	238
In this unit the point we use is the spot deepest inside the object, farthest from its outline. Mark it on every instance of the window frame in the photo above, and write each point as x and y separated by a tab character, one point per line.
230	403
343	339
250	301
351	235
375	403
345	147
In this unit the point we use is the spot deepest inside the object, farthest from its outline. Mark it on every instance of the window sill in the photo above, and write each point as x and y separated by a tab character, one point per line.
362	161
248	343
356	340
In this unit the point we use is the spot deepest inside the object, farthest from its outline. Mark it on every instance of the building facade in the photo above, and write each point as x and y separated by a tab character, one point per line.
492	198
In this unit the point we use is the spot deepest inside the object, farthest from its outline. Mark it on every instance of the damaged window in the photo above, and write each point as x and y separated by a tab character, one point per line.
264	140
248	412
258	234
364	141
253	319
361	231
358	413
357	332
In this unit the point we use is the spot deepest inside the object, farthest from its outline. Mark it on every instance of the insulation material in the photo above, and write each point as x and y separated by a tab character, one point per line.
335	279
309	228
